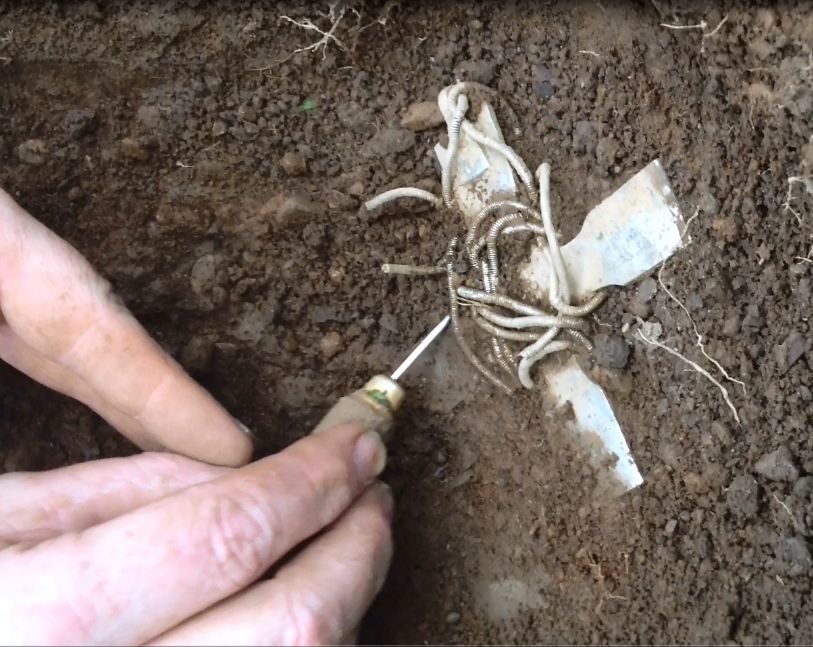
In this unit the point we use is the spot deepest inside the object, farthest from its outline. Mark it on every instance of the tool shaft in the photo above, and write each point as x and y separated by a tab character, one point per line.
416	353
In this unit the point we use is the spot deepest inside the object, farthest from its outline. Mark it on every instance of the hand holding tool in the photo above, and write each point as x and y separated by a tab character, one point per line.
373	405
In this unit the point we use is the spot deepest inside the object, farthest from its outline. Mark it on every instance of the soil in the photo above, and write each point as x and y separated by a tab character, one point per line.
214	175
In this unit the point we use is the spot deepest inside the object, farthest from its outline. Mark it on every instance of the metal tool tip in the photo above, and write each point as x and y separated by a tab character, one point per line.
422	346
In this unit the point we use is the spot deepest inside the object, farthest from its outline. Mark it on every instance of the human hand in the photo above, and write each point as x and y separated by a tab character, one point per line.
158	548
61	324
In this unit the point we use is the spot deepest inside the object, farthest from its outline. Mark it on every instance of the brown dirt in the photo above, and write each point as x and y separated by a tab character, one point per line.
498	523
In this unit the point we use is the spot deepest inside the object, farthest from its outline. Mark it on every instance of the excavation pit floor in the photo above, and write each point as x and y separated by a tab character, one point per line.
215	175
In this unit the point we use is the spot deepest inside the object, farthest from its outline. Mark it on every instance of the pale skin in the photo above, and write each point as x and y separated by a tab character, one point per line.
169	546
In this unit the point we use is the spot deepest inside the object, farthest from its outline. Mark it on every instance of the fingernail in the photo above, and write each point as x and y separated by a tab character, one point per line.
387	500
370	455
244	429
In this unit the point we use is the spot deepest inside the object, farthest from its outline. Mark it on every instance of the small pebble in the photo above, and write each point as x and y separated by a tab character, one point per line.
219	128
197	354
388	322
453	618
585	137
647	290
422	115
778	465
293	164
792	349
296	209
32	151
752	320
544	89
792	557
388	142
356	189
130	147
202	275
75	194
475	70
669	528
80	122
331	344
742	496
606	152
247	113
611	351
708	203
338	201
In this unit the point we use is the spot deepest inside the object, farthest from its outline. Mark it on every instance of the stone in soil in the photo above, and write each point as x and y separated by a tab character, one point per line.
585	137
388	322
293	164
422	115
606	152
778	465
253	321
202	275
296	210
726	229
647	290
543	82
387	142
331	344
641	302
130	147
790	350
32	151
742	496
752	320
80	122
792	556
473	70
708	204
197	354
247	113
338	201
611	351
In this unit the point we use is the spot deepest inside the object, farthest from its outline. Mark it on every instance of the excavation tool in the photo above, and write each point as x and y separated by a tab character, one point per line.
374	404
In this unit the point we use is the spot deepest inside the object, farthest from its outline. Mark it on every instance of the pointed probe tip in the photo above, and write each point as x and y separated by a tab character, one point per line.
422	346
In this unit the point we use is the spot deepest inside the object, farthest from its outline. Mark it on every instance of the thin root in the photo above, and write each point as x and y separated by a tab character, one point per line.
698	336
807	180
696	367
327	36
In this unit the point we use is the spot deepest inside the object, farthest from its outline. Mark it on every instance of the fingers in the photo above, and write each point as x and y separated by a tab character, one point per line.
57	377
173	558
316	599
61	312
38	506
